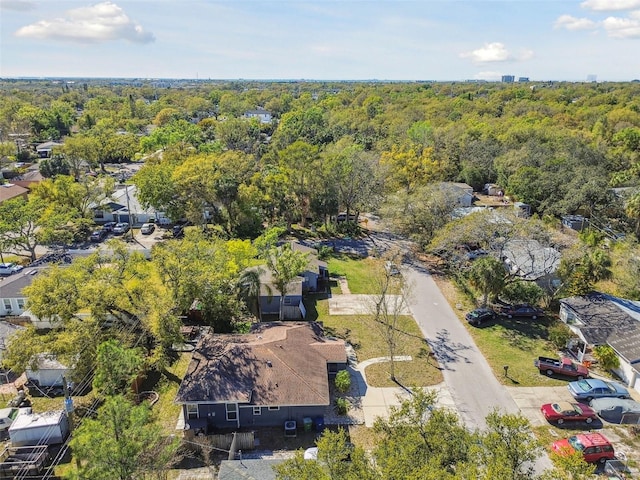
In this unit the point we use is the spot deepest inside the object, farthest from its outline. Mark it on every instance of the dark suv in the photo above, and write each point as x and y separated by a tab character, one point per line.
479	316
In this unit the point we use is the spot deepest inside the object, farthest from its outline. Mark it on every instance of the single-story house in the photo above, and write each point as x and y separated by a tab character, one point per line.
123	204
317	270
261	114
45	149
9	191
269	301
461	193
12	299
279	372
28	179
600	319
248	469
531	261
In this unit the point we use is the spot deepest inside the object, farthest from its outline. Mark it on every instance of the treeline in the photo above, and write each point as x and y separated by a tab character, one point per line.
341	146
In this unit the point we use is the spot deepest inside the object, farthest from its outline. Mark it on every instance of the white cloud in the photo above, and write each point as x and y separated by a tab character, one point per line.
98	23
573	23
18	5
622	27
610	5
496	52
490	52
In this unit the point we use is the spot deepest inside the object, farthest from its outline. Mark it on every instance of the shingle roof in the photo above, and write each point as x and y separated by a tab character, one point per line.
253	469
627	344
11	286
9	191
601	317
276	364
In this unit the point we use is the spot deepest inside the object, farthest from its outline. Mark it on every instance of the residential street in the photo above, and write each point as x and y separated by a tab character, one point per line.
473	386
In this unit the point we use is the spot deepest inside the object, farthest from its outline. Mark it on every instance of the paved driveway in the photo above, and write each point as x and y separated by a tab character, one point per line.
357	304
529	400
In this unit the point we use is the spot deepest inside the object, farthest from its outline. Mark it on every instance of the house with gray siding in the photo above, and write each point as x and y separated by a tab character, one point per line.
280	371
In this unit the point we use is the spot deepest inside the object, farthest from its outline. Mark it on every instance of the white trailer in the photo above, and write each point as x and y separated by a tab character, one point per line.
45	428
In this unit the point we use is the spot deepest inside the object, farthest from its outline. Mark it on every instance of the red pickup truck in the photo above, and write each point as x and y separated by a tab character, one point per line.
563	366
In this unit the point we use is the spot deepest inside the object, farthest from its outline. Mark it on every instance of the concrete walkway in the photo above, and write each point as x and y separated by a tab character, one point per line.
377	401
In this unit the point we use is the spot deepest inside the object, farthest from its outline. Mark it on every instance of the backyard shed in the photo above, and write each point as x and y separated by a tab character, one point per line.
45	428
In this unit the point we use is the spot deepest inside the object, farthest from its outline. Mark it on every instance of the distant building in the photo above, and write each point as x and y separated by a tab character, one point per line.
592	78
523	79
263	115
508	79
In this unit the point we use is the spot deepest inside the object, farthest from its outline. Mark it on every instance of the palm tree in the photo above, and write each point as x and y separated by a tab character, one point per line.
249	289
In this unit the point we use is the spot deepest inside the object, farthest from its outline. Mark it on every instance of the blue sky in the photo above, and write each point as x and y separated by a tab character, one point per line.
322	39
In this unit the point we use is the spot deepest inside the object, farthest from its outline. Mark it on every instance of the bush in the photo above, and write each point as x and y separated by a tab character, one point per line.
560	334
606	356
342	406
343	381
324	252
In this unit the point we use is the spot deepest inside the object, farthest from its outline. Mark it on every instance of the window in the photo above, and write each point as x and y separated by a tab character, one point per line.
21	303
257	410
288	301
232	412
192	410
98	214
7	304
333	368
274	409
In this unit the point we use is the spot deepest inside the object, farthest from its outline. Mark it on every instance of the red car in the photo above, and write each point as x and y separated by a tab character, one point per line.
595	447
561	412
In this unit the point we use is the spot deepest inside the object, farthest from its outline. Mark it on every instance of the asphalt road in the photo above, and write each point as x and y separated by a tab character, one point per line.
467	374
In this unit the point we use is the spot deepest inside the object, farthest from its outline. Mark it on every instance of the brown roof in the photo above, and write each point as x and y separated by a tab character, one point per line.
276	364
9	191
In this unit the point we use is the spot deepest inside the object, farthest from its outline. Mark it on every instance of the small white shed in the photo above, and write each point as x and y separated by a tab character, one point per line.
48	372
45	428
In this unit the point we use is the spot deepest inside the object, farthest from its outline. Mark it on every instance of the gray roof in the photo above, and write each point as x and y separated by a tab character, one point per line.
258	469
11	286
530	260
627	344
603	316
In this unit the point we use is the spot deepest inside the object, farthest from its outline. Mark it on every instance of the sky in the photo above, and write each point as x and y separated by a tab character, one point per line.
441	40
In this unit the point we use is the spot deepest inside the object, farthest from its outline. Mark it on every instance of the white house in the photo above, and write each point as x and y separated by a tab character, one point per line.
461	193
12	299
123	206
261	114
600	319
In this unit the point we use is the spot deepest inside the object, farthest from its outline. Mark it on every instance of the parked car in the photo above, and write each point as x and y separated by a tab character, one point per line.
591	388
9	268
617	410
523	310
121	228
595	447
561	412
108	227
562	366
480	315
147	228
98	235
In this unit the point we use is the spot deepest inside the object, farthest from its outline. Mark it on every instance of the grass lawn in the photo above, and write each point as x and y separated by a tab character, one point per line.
516	342
363	333
167	386
357	271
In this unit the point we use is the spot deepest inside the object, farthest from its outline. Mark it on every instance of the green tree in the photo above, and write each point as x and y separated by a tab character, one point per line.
487	275
27	224
509	447
285	265
122	442
116	368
